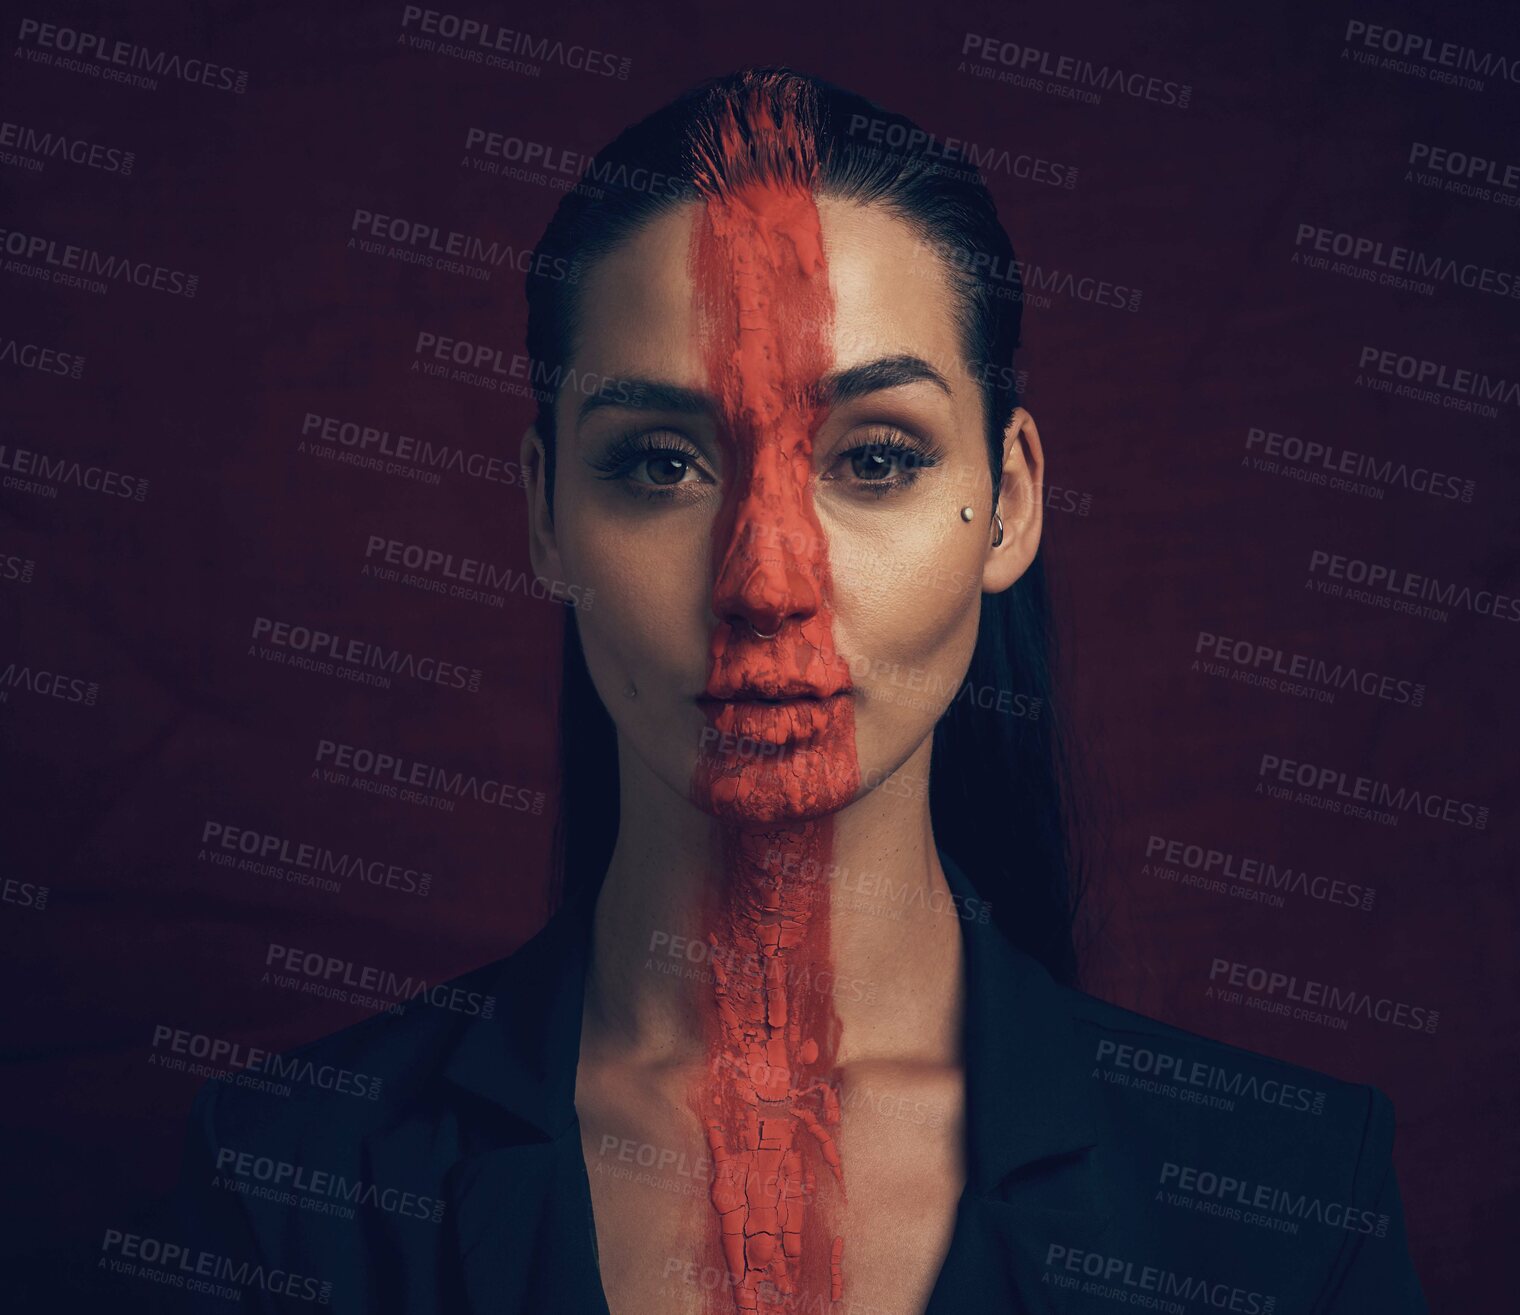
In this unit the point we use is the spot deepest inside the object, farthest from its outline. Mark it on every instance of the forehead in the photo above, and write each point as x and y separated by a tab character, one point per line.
638	313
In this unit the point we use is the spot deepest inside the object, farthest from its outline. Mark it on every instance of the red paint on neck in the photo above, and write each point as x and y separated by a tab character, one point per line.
768	1102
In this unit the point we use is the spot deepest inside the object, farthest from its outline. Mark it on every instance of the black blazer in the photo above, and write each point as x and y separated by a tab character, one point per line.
1112	1160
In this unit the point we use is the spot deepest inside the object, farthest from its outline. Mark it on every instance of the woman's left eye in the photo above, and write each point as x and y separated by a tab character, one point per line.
884	464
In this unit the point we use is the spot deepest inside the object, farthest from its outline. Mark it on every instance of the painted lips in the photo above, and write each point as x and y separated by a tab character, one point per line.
788	722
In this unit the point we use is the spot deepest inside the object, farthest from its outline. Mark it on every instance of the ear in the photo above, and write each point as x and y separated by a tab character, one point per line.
543	548
1021	503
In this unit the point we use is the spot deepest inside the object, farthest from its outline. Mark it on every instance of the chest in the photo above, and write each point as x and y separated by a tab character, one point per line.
900	1140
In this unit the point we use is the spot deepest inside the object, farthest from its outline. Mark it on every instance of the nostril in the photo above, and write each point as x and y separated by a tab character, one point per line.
761	585
764	597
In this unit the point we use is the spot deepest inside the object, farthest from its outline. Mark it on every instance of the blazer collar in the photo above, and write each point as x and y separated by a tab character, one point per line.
1029	1094
1028	1090
523	1060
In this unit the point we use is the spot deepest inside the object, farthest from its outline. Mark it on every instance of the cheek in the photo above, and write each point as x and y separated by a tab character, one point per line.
646	618
907	602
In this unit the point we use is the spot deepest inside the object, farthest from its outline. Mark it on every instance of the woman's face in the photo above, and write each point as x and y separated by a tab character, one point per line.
698	527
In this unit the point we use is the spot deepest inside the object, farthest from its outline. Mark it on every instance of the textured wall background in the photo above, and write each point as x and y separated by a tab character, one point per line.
1208	243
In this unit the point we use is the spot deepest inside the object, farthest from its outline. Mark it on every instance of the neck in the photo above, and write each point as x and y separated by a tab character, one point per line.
861	898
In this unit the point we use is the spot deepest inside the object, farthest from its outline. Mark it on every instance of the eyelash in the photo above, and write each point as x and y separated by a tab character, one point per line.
625	455
899	445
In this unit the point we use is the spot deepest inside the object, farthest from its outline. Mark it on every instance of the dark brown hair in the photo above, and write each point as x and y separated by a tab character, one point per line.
999	793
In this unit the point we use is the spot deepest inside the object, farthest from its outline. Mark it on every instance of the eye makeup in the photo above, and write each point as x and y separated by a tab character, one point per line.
889	460
661	464
663	457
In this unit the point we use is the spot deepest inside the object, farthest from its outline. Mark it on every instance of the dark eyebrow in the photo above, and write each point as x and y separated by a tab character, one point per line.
871	377
646	395
834	389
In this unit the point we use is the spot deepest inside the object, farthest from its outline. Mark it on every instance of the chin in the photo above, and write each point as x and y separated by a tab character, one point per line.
788	789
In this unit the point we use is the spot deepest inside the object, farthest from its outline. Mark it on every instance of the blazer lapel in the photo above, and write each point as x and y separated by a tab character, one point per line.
519	1238
1034	1126
518	1227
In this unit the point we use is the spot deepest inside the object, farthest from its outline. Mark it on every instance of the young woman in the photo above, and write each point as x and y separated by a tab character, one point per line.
801	1034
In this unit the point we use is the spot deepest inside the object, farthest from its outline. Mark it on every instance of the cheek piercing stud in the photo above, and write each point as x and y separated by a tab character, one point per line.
630	691
969	513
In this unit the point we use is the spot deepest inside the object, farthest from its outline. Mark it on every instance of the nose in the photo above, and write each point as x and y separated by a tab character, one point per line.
764	583
771	571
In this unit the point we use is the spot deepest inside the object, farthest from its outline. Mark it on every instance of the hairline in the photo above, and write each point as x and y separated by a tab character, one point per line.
962	297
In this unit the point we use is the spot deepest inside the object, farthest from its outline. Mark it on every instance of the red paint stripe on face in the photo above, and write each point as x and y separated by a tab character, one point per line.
778	696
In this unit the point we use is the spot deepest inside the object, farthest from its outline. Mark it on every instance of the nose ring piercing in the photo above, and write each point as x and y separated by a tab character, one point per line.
758	635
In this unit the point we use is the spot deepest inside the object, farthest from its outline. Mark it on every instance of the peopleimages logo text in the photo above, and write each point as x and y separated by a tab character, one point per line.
456	575
1394	580
370	441
44	360
75	265
1327	458
1463	165
293	1184
233	1062
332	971
1271	660
44	144
508	41
1287	988
1333	781
1407	260
314	642
1422	373
206	1272
68	470
900	137
1428	51
1243	1194
1078	72
393	768
1211	862
1124	1280
1165	1067
262	848
435	241
106	53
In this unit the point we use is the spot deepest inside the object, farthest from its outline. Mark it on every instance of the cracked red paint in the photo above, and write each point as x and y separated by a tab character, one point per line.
777	688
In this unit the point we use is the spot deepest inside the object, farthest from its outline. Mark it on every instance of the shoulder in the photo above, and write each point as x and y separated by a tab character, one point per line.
1276	1173
322	1159
1145	1050
1131	1052
338	1087
1230	1126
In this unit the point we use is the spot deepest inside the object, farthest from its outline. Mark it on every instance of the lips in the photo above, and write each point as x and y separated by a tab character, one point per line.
781	722
731	682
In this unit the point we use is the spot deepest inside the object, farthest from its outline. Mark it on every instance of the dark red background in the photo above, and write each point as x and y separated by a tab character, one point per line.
1144	414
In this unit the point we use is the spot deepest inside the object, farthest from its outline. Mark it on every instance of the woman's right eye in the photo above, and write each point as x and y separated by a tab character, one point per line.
649	465
664	468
